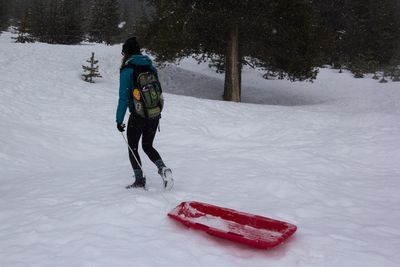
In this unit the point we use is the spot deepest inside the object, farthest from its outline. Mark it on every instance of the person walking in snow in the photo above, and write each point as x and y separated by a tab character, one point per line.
140	91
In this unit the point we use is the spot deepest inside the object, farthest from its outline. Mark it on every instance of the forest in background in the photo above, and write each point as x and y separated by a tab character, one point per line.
286	38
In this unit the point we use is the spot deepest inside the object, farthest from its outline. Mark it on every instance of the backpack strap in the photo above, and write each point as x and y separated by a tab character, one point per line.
137	69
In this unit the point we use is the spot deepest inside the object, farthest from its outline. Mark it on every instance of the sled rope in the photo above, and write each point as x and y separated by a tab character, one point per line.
137	161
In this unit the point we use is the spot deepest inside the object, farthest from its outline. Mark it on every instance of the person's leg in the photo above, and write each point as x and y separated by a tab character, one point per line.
134	132
149	132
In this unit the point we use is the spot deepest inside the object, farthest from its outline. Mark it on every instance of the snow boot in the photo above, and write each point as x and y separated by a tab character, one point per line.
139	183
166	174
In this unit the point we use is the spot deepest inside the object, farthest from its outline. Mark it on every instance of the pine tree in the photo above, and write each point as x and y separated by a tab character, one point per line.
132	11
72	24
53	22
95	21
18	8
91	71
38	19
4	10
332	15
24	35
103	21
112	21
373	34
276	35
383	80
396	74
56	21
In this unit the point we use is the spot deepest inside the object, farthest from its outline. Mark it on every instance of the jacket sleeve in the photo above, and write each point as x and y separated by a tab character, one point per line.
124	93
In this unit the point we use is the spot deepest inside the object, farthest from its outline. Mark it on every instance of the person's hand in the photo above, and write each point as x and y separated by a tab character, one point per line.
121	127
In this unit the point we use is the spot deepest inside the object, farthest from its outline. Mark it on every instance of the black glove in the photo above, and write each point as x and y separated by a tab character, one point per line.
121	127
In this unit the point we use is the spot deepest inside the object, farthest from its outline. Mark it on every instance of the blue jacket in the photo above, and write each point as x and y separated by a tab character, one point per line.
126	85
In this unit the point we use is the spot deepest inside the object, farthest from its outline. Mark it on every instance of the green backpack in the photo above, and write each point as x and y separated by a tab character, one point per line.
147	93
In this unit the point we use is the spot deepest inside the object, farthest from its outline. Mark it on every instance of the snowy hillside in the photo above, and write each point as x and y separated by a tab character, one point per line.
323	156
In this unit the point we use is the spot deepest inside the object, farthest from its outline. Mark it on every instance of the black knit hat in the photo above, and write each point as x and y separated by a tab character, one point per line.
131	46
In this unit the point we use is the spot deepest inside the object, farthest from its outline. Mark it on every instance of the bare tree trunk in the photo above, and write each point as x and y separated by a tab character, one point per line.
232	88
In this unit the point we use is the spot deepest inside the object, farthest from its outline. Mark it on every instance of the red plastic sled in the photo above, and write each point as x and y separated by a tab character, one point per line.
252	230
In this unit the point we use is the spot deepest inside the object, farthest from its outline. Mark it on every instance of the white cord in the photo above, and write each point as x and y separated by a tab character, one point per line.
137	161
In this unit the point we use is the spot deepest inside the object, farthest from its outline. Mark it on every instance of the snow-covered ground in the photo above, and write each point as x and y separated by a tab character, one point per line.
324	156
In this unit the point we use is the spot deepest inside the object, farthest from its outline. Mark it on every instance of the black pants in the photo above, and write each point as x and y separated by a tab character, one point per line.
145	128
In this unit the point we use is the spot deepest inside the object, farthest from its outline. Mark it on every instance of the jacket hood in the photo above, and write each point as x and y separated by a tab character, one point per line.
139	60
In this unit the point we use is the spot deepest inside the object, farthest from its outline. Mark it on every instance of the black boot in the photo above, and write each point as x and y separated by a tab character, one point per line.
139	183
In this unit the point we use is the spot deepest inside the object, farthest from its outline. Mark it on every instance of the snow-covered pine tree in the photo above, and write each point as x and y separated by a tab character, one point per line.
91	71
